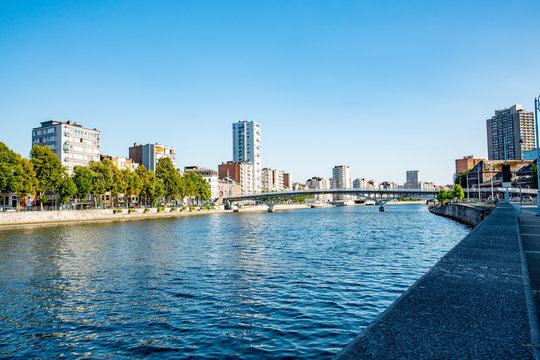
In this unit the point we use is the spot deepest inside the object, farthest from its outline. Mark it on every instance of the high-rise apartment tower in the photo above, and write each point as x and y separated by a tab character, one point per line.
247	147
513	126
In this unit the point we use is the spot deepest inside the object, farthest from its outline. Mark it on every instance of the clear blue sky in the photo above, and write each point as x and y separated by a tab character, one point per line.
381	86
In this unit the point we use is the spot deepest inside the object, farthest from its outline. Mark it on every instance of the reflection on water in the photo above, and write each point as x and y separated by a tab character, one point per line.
287	284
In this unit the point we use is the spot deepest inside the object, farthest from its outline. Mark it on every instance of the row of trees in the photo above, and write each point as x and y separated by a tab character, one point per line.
455	194
44	174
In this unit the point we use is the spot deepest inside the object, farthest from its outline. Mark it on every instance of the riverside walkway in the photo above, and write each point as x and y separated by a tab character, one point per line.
475	303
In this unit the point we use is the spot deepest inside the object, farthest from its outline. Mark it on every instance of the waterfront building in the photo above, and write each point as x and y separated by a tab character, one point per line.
514	126
389	185
121	163
486	170
341	176
412	179
229	187
210	176
360	183
318	183
425	185
272	180
247	147
466	164
71	142
287	181
298	186
149	154
240	172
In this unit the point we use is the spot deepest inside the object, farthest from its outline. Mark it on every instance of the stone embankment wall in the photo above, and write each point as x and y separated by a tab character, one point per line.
68	216
468	214
475	303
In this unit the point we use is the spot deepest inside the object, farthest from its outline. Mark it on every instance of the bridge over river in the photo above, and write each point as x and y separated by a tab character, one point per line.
380	196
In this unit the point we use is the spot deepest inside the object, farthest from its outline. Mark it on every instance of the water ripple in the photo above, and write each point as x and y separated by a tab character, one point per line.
296	284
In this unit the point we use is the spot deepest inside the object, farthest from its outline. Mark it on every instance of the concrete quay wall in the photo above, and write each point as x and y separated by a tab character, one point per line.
72	216
467	214
475	303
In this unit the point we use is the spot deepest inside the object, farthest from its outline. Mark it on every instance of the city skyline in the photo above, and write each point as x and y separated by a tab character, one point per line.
382	89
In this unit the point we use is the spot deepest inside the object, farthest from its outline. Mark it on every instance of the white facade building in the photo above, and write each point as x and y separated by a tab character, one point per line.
341	176
72	143
210	176
272	180
320	184
247	147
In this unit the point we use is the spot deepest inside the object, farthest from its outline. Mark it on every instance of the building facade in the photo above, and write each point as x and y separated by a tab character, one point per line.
149	154
229	187
210	176
287	182
121	163
465	164
412	179
341	179
513	127
247	147
240	172
71	142
318	183
272	180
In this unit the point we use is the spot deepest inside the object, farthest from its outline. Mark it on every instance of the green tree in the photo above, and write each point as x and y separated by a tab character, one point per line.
461	179
48	170
118	185
133	182
457	192
172	181
103	177
84	180
145	184
16	173
66	189
443	196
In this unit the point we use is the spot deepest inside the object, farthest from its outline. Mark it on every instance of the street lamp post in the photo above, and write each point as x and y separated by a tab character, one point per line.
536	109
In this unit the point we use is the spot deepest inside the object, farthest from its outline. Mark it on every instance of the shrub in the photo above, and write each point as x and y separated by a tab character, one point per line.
131	211
160	209
192	208
184	208
146	210
117	211
174	208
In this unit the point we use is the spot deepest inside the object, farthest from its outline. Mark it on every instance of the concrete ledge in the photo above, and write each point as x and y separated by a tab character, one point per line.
467	214
474	304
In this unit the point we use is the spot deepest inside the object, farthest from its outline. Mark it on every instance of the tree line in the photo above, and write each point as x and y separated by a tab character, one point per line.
44	174
456	193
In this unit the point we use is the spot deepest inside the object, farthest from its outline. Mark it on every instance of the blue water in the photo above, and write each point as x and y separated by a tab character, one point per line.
299	283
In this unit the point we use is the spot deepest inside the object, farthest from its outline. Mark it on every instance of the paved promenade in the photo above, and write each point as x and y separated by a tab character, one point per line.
475	303
529	226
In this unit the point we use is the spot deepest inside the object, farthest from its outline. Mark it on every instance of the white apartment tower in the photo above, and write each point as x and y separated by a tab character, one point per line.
71	142
247	147
341	179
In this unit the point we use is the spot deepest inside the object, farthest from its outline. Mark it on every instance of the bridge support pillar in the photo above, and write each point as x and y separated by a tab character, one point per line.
271	209
381	208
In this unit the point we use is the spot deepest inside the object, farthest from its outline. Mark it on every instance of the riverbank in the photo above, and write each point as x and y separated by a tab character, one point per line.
43	218
475	303
471	215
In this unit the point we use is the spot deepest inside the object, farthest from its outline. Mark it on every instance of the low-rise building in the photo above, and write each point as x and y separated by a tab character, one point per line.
318	183
122	163
229	187
210	176
149	154
466	164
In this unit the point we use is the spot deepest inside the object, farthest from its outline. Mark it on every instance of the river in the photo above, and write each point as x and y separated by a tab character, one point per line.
299	283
